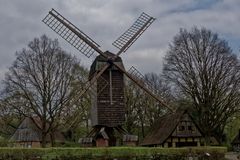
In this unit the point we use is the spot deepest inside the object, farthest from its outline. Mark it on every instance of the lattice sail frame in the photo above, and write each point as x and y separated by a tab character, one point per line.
102	82
140	78
134	32
70	33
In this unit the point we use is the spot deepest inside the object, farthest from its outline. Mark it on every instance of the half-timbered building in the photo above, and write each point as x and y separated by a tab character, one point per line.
174	130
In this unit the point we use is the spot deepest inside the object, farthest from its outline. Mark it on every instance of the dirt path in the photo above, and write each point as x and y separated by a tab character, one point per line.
232	156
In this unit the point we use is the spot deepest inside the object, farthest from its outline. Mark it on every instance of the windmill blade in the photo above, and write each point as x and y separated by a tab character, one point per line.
138	78
93	80
71	34
102	84
133	33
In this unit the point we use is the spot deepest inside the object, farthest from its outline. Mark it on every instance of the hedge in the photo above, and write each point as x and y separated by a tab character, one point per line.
119	153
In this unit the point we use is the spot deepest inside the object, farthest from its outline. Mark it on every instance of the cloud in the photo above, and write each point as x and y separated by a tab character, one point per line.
105	20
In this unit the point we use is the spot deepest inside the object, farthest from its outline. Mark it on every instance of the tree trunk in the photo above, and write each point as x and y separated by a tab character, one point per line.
87	126
44	142
52	137
142	127
44	133
207	137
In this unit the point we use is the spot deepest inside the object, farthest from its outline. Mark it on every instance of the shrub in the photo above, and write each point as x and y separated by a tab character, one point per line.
120	153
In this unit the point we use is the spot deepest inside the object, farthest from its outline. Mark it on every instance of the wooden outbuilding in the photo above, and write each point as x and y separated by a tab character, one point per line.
102	139
174	130
28	135
86	142
130	140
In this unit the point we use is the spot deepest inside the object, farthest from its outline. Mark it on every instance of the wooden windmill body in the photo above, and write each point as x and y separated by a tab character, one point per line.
108	107
106	76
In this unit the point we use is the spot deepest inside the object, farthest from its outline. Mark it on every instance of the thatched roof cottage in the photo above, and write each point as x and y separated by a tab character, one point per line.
29	135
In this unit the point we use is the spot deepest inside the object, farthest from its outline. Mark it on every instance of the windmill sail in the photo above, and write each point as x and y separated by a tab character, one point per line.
71	33
133	33
102	83
138	78
93	80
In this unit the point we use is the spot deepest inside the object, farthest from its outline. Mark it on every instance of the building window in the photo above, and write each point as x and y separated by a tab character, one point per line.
190	128
181	128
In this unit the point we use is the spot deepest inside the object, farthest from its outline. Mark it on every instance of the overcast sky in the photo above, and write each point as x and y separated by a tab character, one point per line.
105	20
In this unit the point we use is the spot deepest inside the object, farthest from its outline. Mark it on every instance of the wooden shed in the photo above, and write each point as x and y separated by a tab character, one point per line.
130	140
102	138
174	130
86	142
28	135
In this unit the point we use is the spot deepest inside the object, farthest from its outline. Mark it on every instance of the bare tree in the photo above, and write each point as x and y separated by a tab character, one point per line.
39	83
141	109
131	104
135	109
77	115
8	120
203	67
163	90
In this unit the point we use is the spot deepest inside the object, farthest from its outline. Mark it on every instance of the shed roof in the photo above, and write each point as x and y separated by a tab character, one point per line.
102	133
130	138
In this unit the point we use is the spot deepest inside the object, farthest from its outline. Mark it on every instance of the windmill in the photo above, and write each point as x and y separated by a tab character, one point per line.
107	71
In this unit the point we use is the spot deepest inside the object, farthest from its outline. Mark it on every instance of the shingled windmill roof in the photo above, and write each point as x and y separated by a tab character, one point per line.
27	131
164	127
100	58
